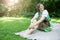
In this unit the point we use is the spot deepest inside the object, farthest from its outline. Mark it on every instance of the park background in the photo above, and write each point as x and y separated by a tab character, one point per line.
15	15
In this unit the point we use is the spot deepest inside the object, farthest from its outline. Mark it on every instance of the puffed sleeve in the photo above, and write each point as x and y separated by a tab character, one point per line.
45	13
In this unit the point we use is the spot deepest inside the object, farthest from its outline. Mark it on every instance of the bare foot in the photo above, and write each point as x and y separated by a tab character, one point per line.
25	35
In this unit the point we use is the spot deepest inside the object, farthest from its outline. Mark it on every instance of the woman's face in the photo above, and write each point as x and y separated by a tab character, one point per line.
41	7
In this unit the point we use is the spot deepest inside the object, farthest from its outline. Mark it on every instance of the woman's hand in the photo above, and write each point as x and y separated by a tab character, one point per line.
32	24
41	20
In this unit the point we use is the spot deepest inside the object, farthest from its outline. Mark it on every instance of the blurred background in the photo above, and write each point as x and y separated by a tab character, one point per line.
27	8
15	16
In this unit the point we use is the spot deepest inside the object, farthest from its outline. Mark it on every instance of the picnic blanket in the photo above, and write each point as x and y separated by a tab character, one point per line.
41	35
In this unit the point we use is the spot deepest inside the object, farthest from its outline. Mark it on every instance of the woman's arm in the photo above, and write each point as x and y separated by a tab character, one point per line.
41	20
44	14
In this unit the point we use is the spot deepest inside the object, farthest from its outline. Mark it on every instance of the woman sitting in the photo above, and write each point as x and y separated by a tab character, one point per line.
41	21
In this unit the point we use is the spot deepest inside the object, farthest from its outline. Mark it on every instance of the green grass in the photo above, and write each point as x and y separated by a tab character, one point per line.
55	20
10	25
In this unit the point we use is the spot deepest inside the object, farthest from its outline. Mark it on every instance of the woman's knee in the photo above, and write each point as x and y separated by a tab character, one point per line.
34	21
31	28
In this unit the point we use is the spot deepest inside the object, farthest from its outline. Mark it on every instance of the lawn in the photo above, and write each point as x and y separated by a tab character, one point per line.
11	25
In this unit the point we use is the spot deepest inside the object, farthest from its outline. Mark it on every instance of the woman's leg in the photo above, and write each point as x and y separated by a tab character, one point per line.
31	29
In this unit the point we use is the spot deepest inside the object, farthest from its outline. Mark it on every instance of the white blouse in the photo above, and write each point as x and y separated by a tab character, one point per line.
44	13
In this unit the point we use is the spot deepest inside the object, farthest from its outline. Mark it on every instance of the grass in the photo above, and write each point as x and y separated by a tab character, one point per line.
11	25
55	20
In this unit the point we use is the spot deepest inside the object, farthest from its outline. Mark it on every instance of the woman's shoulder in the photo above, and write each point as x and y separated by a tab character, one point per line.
45	13
45	10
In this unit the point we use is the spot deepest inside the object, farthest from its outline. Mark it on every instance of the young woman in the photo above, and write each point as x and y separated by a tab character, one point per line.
41	20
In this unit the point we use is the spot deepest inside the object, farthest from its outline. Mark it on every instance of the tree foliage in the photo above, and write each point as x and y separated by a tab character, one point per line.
28	8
